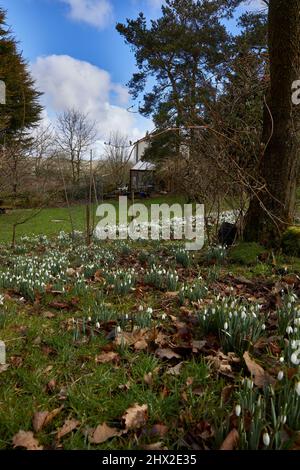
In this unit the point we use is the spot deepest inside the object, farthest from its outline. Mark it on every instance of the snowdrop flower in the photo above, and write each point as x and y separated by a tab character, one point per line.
263	327
119	329
238	410
283	419
141	308
97	325
149	310
280	375
289	330
295	359
164	316
297	388
89	318
249	383
225	326
266	439
281	360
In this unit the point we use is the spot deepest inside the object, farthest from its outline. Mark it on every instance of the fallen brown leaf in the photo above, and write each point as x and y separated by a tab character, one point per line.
27	440
51	385
160	429
223	363
226	393
130	339
171	295
136	416
140	345
107	357
68	426
155	446
48	315
176	369
102	433
43	418
198	345
231	441
166	353
39	419
59	305
260	377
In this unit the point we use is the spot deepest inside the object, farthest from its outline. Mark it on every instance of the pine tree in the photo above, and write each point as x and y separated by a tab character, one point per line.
22	109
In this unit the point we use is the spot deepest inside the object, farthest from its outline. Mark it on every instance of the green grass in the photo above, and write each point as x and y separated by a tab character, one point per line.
43	350
50	221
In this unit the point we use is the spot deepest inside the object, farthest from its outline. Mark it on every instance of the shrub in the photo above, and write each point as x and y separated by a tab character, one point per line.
246	253
291	241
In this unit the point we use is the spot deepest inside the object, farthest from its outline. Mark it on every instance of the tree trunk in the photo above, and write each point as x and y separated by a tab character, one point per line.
272	209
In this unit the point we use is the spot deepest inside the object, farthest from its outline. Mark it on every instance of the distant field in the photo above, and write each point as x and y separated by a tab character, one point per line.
51	221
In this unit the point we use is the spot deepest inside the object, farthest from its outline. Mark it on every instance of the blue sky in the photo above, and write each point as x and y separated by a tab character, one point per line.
77	57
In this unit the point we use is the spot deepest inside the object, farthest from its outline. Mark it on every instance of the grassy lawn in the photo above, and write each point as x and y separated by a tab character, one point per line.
51	221
180	356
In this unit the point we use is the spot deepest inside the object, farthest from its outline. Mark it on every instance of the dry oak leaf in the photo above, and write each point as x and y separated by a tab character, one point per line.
171	294
48	315
160	429
176	369
166	353
130	339
231	441
198	345
105	357
43	418
155	446
222	363
140	345
102	433
68	426
38	420
260	377
27	440
160	339
136	416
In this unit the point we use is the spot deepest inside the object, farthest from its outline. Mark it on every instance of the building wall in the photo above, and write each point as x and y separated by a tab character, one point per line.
140	149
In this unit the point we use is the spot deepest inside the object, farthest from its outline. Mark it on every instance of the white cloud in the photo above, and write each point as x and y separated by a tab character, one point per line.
155	3
98	13
254	4
70	83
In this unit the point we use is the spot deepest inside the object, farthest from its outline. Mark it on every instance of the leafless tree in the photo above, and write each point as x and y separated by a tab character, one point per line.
75	133
117	155
42	148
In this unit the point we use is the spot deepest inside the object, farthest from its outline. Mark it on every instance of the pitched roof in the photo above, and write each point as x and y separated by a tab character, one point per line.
143	166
